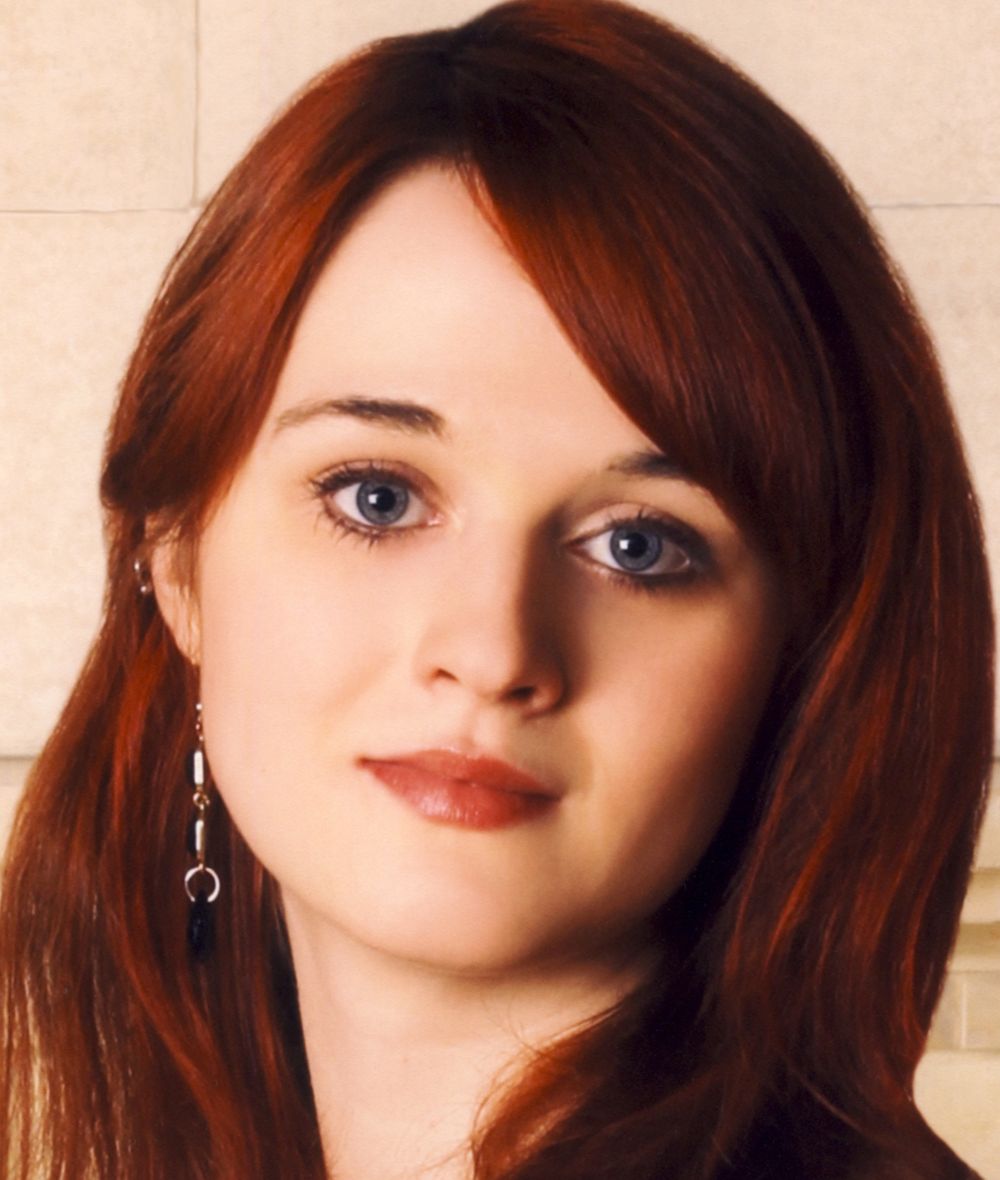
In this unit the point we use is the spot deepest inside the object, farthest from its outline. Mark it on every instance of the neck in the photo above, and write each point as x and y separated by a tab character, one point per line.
404	1057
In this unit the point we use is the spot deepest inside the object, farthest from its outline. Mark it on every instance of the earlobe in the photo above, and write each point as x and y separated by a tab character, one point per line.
174	586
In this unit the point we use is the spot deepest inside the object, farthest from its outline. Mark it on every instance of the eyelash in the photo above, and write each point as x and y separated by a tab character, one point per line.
673	532
326	486
691	544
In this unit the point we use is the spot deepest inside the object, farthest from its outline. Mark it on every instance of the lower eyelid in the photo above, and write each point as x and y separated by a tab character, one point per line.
658	584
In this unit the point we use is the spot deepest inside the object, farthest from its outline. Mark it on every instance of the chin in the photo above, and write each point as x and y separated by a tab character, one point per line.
455	940
454	933
488	938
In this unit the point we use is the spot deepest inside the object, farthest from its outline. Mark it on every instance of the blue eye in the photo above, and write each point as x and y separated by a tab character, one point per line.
647	549
636	550
372	501
381	502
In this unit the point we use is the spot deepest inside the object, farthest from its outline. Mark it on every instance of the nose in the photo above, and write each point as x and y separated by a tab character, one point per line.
491	630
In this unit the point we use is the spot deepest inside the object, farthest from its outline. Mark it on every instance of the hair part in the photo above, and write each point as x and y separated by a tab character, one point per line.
713	269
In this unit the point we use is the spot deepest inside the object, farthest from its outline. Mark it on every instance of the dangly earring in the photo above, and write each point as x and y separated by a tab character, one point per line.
200	930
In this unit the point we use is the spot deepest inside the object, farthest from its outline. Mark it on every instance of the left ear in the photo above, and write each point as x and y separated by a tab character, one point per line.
174	586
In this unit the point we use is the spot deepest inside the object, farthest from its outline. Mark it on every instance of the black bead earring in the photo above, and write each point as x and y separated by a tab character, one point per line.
201	883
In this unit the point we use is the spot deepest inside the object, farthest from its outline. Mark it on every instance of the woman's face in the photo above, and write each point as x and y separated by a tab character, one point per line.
448	546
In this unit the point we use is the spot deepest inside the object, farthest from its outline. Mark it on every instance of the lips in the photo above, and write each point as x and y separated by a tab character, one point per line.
469	791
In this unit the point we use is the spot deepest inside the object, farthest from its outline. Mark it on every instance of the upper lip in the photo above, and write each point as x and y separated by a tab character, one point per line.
471	768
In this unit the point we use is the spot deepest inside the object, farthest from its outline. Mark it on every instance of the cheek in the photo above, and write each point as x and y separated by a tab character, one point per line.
290	643
696	682
677	720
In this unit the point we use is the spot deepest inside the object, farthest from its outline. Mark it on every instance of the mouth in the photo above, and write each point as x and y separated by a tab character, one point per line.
461	790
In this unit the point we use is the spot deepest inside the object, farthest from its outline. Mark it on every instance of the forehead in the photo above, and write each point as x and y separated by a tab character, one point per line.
422	302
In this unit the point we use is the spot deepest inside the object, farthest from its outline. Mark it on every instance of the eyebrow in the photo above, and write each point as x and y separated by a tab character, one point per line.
407	417
649	465
413	418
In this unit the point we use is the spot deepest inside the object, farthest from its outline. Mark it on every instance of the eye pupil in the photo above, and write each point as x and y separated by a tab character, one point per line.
634	550
382	503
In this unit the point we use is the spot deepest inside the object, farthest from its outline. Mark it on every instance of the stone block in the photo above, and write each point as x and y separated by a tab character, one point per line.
982	902
12	775
256	53
959	1095
947	1031
988	850
98	104
977	949
982	1020
903	95
74	289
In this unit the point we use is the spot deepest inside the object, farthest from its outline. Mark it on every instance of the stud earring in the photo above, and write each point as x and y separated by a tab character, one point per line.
142	577
204	891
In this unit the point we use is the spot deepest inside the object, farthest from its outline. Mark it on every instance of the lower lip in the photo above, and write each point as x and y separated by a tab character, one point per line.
456	802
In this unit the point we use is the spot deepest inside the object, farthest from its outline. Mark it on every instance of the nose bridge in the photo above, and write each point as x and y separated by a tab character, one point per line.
491	625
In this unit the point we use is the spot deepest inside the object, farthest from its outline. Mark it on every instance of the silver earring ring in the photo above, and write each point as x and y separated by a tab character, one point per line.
194	872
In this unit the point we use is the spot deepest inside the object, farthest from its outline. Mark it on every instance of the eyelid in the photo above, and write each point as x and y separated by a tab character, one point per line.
671	530
345	475
358	470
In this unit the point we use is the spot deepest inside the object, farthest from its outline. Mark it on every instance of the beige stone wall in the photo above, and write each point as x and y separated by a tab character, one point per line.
119	116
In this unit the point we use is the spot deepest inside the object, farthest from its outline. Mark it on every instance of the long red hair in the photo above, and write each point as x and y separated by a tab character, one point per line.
712	267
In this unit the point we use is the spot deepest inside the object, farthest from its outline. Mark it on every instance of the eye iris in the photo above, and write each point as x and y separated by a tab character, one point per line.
634	550
382	503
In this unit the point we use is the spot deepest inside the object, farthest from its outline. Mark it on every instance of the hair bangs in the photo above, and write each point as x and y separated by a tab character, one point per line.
653	236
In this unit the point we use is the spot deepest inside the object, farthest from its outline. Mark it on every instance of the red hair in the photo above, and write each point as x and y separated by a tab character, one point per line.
711	266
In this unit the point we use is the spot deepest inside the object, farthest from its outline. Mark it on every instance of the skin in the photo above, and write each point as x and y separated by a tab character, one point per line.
492	617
